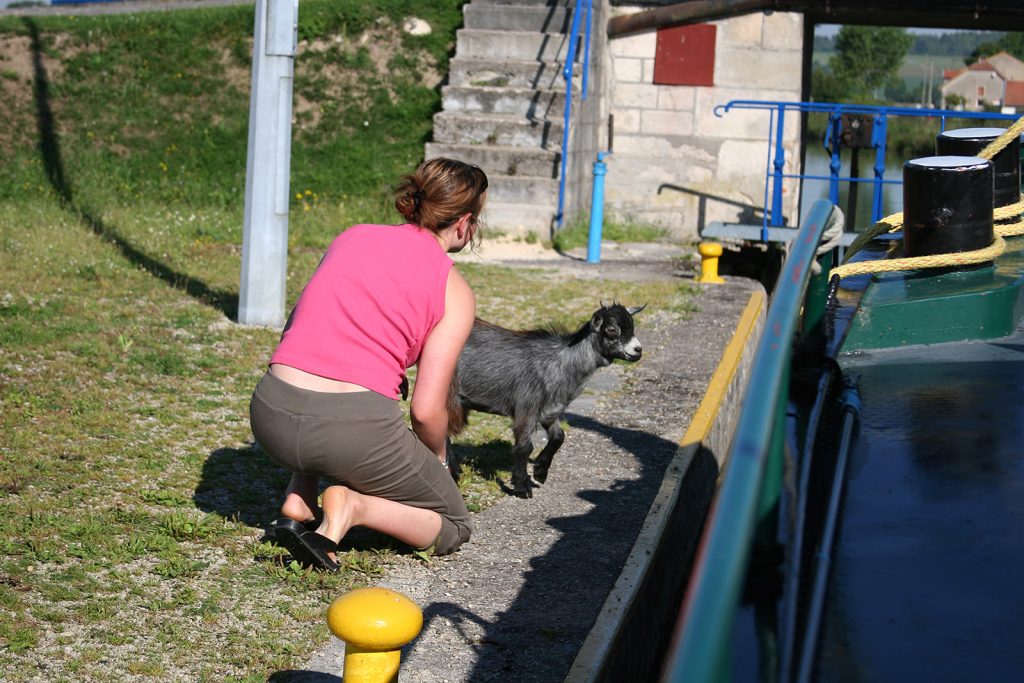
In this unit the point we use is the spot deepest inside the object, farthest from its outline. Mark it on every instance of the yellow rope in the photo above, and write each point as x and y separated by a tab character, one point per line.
887	224
1008	211
963	258
895	222
996	146
1010	229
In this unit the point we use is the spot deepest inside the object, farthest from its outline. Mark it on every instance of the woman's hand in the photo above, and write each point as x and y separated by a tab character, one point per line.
429	408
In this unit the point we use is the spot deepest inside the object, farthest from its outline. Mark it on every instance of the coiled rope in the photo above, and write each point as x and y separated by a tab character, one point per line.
894	222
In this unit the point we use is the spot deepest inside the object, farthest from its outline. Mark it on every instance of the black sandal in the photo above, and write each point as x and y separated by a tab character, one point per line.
308	525
307	547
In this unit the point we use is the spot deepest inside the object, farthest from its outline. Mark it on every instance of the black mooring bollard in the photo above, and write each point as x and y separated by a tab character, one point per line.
947	205
1006	164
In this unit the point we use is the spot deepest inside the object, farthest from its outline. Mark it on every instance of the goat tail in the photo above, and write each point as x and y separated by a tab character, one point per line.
456	411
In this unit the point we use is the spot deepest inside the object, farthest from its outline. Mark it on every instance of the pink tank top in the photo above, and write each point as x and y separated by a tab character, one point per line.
365	313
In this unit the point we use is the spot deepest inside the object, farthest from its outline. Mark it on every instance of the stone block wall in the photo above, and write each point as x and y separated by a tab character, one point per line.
675	163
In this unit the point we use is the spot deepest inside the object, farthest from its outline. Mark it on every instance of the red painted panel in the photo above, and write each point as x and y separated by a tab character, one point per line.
685	55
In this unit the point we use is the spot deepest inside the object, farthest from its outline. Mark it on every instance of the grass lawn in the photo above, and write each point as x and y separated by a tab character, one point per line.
132	500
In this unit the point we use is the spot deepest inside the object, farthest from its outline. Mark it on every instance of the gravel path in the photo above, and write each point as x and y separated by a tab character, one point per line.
516	602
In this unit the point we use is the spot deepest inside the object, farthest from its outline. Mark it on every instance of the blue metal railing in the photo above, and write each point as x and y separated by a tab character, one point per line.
775	167
584	8
751	484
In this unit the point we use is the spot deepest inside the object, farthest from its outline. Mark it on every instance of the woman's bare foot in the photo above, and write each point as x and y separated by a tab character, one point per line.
345	508
300	498
340	507
340	503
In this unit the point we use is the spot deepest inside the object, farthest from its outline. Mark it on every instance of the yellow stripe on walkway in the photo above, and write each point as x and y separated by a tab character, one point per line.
718	387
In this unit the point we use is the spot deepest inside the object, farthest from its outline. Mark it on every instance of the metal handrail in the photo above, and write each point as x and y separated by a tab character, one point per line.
752	482
774	175
567	72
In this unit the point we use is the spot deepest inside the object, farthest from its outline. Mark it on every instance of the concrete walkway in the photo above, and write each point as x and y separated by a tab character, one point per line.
517	601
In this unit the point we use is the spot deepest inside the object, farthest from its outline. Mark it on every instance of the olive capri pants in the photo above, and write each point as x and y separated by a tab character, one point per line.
359	440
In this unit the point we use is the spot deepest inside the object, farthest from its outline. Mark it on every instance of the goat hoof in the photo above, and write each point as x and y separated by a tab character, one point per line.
522	490
540	474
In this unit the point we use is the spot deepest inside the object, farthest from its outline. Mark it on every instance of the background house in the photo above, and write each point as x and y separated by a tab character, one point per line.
986	82
1013	101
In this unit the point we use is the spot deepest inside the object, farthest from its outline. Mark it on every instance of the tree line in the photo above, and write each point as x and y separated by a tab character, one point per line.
971	45
865	60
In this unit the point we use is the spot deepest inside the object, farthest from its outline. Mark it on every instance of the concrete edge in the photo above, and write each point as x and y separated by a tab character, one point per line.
612	642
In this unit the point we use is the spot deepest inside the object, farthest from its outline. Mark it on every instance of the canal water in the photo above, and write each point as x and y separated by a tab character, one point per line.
816	163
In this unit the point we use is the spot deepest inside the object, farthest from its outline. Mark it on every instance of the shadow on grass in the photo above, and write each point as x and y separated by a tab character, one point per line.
49	148
242	484
488	460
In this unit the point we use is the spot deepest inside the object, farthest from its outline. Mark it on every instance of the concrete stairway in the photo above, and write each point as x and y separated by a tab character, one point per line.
503	106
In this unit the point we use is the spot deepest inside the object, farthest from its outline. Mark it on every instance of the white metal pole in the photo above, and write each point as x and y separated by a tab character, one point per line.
265	234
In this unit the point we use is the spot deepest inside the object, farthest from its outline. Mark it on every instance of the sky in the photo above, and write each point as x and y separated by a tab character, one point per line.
832	29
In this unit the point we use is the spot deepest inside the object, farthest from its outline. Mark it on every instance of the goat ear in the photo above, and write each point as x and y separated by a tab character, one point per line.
595	321
633	310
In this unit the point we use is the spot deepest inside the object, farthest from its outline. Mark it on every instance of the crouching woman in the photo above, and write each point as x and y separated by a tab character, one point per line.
384	298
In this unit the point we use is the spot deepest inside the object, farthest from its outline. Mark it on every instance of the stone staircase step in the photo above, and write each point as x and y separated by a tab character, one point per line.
517	219
531	3
533	104
517	45
524	190
509	73
500	160
544	18
502	107
497	129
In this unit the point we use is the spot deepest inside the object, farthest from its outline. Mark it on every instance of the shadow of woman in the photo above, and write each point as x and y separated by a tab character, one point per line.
244	484
241	484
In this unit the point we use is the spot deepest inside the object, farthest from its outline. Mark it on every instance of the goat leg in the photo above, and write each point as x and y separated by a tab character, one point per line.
454	466
523	431
555	438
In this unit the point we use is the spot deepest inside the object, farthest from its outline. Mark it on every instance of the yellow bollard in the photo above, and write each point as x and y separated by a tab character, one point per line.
374	623
710	252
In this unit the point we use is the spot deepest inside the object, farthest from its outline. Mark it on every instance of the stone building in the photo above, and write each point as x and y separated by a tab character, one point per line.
678	163
651	98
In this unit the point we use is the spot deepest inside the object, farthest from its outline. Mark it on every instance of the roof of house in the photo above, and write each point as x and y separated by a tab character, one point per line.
1014	96
971	77
1008	66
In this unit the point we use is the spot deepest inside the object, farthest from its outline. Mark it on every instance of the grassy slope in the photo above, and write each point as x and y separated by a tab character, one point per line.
132	501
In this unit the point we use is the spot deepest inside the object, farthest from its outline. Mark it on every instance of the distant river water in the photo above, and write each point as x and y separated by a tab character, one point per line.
816	163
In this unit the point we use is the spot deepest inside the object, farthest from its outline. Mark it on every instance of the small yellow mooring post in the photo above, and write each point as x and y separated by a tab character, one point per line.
710	252
374	623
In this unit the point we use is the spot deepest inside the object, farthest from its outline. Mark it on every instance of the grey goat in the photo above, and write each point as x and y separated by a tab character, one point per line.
532	376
